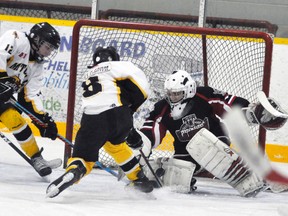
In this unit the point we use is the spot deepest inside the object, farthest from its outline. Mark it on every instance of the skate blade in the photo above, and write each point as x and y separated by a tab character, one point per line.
53	190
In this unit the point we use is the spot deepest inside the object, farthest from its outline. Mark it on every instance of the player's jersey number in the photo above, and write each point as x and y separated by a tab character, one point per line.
91	87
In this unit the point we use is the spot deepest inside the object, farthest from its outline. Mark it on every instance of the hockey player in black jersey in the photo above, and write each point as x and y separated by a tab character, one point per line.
192	115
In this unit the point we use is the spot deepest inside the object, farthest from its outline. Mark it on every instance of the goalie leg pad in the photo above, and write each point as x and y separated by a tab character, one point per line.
217	158
178	174
250	186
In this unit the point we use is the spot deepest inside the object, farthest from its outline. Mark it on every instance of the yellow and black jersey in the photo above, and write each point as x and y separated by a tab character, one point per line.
14	61
116	83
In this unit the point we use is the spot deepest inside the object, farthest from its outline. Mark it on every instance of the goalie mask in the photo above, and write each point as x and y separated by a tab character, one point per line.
179	87
104	54
45	41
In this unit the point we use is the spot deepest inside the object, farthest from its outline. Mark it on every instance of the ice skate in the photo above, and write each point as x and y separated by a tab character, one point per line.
64	181
142	183
43	167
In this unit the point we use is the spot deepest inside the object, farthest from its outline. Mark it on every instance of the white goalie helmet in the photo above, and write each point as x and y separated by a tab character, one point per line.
179	86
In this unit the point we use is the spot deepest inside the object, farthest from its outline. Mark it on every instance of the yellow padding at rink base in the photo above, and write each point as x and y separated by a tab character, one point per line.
277	153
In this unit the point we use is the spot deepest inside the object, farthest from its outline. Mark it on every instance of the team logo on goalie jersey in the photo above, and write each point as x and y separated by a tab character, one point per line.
191	125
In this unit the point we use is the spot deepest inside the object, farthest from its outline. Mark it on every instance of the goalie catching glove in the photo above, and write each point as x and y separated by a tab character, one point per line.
49	128
8	86
257	114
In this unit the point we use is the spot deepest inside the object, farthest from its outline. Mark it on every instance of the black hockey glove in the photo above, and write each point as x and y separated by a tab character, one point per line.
48	130
8	86
5	92
134	140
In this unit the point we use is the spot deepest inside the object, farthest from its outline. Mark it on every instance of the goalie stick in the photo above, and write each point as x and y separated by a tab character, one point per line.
266	104
151	169
248	149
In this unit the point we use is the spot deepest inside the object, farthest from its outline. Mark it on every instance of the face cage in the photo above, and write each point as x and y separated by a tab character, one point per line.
47	46
51	56
175	97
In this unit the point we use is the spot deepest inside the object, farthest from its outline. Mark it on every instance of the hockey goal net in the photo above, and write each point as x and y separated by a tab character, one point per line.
236	61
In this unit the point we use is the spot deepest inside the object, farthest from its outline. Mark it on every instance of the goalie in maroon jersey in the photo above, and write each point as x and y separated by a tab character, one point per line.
112	91
192	115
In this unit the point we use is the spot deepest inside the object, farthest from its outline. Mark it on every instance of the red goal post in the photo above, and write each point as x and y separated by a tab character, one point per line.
235	61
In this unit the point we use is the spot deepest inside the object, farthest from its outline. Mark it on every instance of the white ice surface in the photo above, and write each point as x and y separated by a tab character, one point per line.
22	193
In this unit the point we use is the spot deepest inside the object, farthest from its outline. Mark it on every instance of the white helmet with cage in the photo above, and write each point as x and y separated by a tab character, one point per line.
179	86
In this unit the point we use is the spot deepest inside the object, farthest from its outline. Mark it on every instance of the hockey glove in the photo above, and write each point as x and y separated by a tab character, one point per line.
8	86
49	129
5	92
134	139
257	114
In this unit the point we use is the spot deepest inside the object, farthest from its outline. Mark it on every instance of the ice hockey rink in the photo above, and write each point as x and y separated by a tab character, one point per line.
23	193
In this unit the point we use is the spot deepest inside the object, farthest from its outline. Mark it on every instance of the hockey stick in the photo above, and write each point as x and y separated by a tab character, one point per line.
107	169
250	152
266	104
37	120
10	143
42	124
150	168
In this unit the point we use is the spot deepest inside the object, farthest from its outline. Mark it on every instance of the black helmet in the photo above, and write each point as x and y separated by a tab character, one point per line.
43	32
104	54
